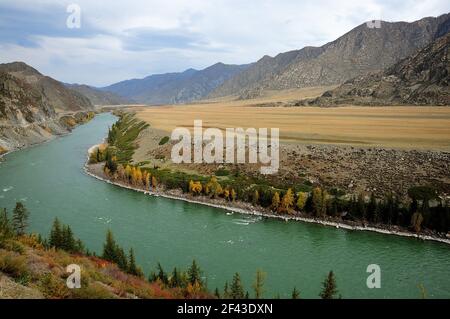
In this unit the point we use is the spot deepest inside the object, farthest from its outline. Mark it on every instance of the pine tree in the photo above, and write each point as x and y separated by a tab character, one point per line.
226	291
68	241
258	285
121	259
329	289
162	274
295	293
6	230
110	247
194	274
132	268
55	239
217	293
237	290
175	279
20	219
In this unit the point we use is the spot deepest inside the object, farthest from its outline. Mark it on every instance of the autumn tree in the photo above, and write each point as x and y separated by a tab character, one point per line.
154	182
275	201
233	195
416	221
214	189
319	202
301	200
20	219
287	202
329	289
258	285
255	198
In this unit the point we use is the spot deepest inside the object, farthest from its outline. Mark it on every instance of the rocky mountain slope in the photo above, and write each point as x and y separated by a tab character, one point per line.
173	88
421	79
99	97
31	105
356	53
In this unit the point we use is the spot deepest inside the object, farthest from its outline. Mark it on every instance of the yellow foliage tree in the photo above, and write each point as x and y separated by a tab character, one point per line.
233	194
154	181
319	201
275	201
214	188
256	198
287	202
301	200
226	194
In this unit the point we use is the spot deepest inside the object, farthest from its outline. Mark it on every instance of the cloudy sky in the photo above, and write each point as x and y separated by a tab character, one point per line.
120	40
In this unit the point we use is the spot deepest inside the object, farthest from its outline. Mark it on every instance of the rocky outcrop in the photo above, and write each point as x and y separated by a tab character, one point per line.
31	105
421	79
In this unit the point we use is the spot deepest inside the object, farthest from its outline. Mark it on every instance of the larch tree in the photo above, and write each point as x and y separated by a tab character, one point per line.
275	201
302	197
258	285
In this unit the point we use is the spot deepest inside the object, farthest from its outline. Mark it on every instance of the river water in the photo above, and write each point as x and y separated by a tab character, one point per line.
49	179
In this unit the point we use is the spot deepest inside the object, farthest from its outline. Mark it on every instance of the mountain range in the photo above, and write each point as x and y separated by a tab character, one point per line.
364	49
173	88
421	79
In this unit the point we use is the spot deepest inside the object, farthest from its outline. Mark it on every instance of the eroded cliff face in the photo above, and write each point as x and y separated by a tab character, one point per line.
34	108
421	79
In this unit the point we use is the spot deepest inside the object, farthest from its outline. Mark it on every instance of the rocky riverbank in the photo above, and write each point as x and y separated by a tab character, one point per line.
96	171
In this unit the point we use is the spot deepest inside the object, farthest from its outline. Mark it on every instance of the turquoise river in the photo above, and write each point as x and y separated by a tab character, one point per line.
50	180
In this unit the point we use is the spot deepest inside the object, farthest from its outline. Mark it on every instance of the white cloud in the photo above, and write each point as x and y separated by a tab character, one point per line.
119	44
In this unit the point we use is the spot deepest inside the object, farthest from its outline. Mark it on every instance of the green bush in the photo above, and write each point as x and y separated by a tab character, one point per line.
222	172
14	266
164	140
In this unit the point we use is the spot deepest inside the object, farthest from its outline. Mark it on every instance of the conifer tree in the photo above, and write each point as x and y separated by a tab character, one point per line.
132	268
162	274
226	291
329	289
20	219
195	273
110	247
295	293
6	230
237	290
55	239
175	279
217	293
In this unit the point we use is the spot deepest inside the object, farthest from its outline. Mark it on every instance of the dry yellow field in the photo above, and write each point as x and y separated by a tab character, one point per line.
394	127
